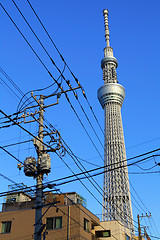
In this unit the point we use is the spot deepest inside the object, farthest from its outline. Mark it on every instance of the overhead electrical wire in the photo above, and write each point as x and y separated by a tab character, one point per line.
93	175
66	81
38	39
83	212
12	156
7	178
9	88
64	62
71	170
13	144
42	24
28	43
146	209
89	177
82	125
50	57
26	130
19	90
139	173
60	87
59	71
129	159
10	80
41	89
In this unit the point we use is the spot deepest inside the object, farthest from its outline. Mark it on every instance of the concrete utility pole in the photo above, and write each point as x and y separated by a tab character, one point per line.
37	169
39	177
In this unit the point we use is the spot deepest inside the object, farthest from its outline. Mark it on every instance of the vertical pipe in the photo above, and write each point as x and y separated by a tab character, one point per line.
68	223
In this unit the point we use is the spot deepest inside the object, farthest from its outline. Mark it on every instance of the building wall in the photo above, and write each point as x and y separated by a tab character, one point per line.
22	226
116	228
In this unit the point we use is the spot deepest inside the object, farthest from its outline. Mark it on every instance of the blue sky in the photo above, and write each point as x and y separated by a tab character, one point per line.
77	29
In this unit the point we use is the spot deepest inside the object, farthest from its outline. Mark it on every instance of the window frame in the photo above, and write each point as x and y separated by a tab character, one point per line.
54	222
86	225
7	228
99	234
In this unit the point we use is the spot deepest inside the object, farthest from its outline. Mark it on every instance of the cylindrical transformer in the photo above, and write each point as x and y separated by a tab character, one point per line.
45	163
30	166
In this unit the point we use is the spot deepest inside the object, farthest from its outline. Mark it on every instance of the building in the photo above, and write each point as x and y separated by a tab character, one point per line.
116	196
67	219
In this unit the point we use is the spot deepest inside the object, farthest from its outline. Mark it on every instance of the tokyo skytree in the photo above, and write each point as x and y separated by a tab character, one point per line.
116	191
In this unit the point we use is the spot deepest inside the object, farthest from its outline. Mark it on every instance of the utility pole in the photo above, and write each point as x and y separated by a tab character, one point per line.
39	177
37	169
145	232
139	228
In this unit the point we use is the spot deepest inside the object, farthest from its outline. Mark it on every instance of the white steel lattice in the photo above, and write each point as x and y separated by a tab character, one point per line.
116	196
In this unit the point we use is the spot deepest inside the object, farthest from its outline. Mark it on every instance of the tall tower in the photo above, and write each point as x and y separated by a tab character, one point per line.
116	194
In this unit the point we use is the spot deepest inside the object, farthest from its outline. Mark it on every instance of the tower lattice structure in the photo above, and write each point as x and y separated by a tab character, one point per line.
116	194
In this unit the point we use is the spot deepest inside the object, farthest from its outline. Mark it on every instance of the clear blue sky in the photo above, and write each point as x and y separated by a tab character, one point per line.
77	28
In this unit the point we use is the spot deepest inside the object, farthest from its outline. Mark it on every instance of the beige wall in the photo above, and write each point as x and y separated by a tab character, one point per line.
118	231
23	223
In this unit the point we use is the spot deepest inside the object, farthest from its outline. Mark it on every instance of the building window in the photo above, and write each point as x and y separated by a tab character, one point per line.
105	233
86	224
53	223
6	227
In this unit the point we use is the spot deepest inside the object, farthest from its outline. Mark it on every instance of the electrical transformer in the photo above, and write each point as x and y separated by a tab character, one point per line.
45	163
30	166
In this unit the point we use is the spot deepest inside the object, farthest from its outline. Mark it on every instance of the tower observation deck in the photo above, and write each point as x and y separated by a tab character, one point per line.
116	191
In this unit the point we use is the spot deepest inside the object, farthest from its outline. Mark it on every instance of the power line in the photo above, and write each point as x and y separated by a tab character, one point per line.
28	43
32	190
139	173
77	81
71	107
9	88
88	177
96	174
86	187
57	82
141	155
7	178
13	144
66	82
12	155
58	70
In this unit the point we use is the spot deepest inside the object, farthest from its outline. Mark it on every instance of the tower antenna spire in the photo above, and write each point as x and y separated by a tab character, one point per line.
105	14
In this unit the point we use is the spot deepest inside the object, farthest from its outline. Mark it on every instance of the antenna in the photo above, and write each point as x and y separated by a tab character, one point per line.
105	14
